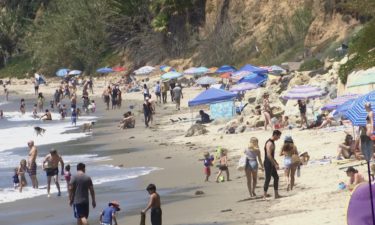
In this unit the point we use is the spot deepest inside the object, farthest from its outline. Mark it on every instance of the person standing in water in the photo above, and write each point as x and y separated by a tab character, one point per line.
270	164
31	163
154	204
79	188
51	166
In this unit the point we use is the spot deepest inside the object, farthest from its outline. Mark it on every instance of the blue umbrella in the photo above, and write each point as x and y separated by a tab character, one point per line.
357	115
171	75
105	70
62	72
226	69
206	80
342	109
75	72
254	78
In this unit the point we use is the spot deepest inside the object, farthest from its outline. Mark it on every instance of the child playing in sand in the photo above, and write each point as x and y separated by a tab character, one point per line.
207	164
21	172
223	166
109	213
67	175
16	181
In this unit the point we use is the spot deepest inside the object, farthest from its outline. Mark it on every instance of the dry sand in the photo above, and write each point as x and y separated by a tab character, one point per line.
315	199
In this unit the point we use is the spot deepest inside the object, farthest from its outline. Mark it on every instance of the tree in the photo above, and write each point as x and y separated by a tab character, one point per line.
71	33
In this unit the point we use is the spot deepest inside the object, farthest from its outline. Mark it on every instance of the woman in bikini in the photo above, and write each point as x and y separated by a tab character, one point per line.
251	169
369	121
291	161
266	111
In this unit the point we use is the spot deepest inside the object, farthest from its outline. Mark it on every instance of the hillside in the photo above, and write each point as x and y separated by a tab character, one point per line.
43	35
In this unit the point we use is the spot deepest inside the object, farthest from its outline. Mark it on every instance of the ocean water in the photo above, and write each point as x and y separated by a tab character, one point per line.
17	129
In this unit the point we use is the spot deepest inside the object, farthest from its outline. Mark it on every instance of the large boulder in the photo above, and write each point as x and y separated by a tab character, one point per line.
299	79
196	129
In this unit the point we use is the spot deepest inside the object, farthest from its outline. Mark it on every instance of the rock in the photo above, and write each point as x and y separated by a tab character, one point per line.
196	129
132	137
168	157
240	129
121	165
199	193
299	79
226	210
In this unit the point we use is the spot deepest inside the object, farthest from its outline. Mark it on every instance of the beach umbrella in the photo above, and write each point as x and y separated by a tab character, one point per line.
303	92
254	78
104	70
359	207
196	71
74	72
144	70
206	80
118	69
357	114
276	70
211	70
342	109
334	103
40	78
226	69
254	69
241	74
62	72
243	87
171	75
226	75
166	68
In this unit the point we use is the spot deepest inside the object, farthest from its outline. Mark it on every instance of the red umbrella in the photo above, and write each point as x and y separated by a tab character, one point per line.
118	69
226	75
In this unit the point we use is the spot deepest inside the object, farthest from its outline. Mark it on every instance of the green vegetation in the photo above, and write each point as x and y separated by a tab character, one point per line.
19	67
311	64
363	46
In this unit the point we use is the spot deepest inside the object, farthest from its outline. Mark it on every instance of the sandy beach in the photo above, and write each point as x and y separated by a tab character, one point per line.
316	197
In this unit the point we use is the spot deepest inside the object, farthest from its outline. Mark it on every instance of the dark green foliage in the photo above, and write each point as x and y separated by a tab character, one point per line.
311	64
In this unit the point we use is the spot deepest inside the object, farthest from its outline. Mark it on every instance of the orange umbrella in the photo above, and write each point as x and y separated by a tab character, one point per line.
212	70
226	75
118	69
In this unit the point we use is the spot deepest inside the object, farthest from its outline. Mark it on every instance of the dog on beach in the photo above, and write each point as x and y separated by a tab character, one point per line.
39	131
88	126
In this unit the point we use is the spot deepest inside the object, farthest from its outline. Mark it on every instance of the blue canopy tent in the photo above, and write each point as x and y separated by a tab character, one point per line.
257	79
253	69
226	69
221	102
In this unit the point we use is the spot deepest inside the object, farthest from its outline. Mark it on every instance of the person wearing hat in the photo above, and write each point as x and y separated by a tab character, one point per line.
291	161
109	214
354	177
51	166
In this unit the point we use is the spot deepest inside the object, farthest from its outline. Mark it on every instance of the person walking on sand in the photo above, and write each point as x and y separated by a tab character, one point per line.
147	111
158	92
251	169
31	163
79	188
51	166
6	92
164	92
270	164
291	161
223	166
106	96
266	111
302	111
154	204
177	94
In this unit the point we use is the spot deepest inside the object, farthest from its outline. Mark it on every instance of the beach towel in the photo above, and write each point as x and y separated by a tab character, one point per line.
143	219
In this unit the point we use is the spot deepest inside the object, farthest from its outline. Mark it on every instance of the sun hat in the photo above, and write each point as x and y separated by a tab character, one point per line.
116	204
288	139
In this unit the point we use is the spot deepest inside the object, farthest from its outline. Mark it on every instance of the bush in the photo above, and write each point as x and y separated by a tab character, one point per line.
311	64
17	67
360	61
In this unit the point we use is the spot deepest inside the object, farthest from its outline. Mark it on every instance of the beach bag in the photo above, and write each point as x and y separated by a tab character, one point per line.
241	163
296	160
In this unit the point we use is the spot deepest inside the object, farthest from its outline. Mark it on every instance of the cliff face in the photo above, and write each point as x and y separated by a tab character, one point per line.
258	31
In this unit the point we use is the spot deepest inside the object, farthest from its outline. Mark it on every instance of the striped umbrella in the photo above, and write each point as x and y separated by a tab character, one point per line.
196	71
334	103
342	109
243	87
303	92
206	80
364	78
357	114
166	68
171	75
144	70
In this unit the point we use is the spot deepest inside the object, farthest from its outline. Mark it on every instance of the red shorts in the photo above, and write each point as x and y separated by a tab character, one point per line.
207	171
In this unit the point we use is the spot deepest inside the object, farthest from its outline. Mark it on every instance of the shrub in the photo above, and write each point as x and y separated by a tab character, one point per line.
311	64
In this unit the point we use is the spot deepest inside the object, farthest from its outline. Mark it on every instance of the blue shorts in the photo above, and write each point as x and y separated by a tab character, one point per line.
251	164
81	210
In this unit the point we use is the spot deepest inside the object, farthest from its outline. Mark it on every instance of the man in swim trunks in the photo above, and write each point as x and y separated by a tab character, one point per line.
31	163
79	188
270	164
154	204
51	166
